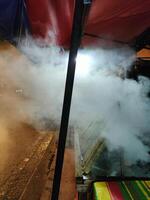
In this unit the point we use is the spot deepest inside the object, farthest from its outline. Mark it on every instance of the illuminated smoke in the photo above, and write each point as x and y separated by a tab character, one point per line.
119	106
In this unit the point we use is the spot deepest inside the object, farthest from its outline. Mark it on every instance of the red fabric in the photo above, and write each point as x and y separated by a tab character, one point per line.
48	16
39	17
115	192
118	19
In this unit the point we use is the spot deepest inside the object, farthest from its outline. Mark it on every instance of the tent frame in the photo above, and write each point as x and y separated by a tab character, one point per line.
80	16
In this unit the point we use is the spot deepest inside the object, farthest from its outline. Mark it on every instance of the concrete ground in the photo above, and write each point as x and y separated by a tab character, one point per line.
24	154
67	188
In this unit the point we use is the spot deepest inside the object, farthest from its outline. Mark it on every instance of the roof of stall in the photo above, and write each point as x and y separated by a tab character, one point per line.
112	20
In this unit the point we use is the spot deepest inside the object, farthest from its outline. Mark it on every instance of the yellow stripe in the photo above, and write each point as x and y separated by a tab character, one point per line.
102	192
142	189
127	190
147	184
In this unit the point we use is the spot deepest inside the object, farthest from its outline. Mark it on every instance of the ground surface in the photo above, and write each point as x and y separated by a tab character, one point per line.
21	146
67	189
20	155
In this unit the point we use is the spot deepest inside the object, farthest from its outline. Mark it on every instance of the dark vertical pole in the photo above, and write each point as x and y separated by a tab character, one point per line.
75	43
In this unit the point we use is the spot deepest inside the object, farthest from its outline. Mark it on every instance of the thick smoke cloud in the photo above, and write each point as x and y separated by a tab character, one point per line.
118	107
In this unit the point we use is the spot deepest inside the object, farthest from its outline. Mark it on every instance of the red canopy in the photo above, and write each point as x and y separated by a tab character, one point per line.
114	19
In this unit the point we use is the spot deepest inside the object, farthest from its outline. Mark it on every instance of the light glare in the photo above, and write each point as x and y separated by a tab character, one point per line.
83	62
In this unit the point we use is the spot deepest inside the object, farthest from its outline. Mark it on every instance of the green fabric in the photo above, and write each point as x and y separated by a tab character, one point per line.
124	191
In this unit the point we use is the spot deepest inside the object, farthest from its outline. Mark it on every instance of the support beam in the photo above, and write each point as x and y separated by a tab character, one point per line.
81	10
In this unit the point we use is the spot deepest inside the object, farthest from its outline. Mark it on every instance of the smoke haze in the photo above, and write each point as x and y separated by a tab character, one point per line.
119	107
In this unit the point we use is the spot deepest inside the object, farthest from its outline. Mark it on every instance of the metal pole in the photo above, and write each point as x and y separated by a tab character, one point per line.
75	43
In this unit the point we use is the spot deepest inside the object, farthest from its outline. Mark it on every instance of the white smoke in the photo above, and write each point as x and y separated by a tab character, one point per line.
120	105
99	95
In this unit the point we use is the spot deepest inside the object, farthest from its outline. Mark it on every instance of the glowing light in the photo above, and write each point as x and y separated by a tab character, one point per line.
83	62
